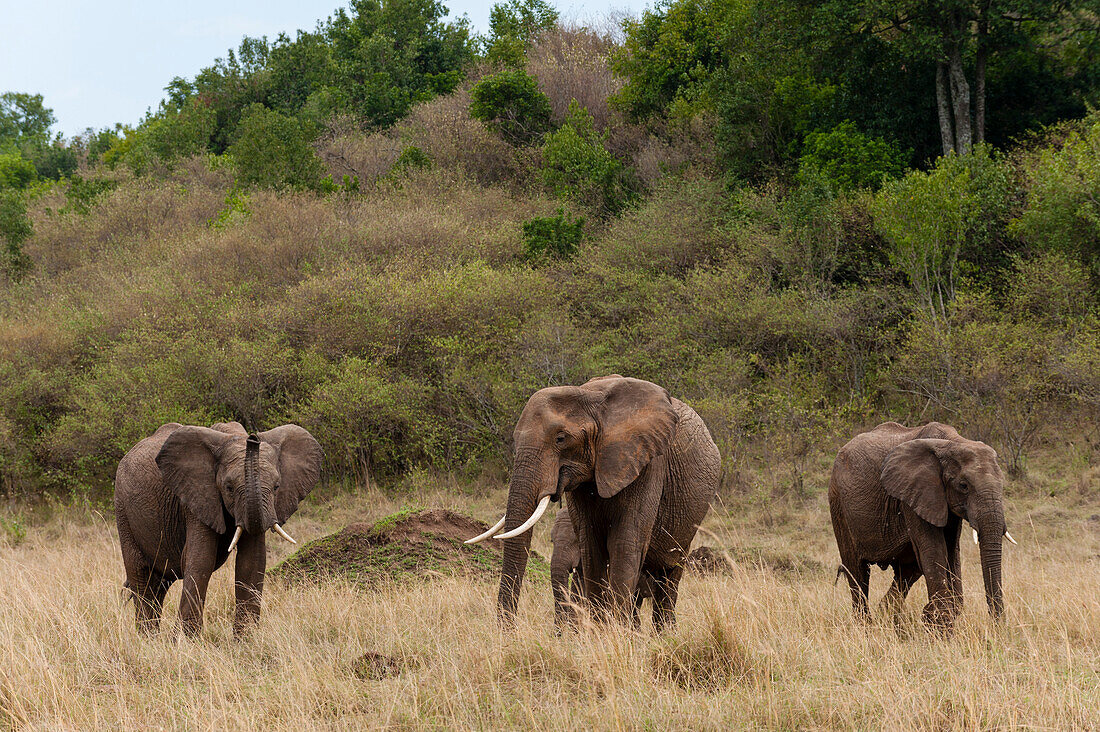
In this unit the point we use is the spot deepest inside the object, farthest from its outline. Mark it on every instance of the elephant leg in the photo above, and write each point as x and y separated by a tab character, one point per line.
935	563
905	576
199	555
594	575
858	574
249	581
666	588
952	536
149	589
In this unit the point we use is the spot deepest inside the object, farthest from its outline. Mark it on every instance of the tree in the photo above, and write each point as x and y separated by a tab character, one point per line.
24	117
392	54
514	25
273	150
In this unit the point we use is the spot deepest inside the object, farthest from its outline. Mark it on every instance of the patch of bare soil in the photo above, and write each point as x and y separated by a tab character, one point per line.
414	544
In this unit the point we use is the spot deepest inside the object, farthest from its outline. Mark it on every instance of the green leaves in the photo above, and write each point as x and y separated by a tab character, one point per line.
274	151
577	167
511	104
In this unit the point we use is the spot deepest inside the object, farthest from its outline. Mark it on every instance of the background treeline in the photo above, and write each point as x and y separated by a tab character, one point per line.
801	217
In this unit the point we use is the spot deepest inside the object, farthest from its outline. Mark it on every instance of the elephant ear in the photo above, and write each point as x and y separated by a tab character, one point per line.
188	462
913	474
300	458
636	424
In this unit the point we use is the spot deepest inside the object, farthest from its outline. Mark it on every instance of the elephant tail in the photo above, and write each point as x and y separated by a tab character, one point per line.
126	593
839	571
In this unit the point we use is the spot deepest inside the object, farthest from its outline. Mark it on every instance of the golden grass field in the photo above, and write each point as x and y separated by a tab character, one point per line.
760	648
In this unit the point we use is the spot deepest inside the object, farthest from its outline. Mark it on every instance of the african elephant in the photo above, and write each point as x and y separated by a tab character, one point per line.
898	497
567	577
639	470
180	492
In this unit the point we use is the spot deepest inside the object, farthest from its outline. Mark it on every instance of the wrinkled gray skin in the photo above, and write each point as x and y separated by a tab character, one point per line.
567	577
898	497
637	470
179	496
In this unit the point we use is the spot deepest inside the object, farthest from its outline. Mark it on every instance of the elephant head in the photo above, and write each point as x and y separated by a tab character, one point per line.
254	481
938	477
600	435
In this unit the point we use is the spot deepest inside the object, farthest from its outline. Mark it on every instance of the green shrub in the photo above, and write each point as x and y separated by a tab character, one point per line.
849	159
15	171
1063	204
411	158
82	192
511	104
15	228
934	219
371	422
272	150
514	25
577	166
553	237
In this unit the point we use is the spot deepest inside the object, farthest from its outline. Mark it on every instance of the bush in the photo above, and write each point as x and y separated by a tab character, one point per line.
16	172
576	166
511	105
553	237
849	159
272	150
372	423
15	228
1063	206
933	219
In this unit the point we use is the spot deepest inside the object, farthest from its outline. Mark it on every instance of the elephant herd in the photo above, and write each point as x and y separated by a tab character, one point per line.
637	470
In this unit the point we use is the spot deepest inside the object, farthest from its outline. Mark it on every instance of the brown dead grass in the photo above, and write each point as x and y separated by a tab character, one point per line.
755	648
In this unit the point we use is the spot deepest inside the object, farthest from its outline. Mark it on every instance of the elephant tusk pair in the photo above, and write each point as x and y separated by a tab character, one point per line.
482	537
276	528
1007	536
539	511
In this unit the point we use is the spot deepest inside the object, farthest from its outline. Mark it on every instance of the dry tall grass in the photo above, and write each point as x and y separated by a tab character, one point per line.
764	647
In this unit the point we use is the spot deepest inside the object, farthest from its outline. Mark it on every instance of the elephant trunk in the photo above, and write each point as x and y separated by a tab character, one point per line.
252	518
528	483
991	531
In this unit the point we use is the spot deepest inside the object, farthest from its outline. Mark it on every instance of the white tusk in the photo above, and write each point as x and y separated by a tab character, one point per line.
1009	537
539	511
279	530
487	534
975	536
236	536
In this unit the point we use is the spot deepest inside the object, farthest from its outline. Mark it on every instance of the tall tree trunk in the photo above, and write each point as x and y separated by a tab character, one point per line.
960	100
981	55
943	108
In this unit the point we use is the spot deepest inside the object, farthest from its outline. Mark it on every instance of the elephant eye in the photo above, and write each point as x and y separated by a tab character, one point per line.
561	437
963	486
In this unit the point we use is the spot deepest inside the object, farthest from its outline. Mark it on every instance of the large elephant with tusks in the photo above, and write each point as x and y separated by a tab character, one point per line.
637	469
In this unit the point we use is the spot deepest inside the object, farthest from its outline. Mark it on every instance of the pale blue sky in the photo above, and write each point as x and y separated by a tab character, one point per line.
98	63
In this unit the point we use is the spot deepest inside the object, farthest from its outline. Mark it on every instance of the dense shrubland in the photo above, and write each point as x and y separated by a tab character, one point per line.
392	232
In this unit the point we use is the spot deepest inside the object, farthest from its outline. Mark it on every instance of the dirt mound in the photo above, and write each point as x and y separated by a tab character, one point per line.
708	560
415	544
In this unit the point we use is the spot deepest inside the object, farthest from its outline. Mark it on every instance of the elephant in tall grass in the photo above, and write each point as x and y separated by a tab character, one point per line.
638	470
187	496
898	497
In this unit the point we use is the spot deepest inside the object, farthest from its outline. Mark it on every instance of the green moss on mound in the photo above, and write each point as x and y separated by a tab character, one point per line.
410	545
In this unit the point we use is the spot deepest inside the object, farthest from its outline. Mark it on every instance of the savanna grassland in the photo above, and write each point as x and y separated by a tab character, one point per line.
392	232
770	644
